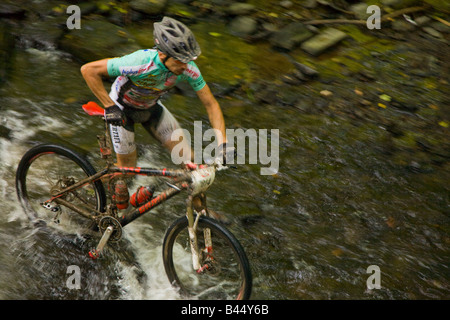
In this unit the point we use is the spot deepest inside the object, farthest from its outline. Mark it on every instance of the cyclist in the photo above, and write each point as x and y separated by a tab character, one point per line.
142	78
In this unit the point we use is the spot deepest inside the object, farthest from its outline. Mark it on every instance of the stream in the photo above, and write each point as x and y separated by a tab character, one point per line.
339	203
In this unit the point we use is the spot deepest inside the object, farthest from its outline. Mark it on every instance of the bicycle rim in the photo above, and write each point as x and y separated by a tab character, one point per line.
46	168
228	275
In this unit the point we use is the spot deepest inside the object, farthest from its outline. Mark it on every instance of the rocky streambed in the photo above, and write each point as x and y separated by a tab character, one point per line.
285	53
363	115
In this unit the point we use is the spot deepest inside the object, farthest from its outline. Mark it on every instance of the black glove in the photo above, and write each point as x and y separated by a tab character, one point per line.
115	116
228	153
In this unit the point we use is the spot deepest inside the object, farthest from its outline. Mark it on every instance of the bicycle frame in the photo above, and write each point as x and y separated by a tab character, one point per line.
176	188
194	181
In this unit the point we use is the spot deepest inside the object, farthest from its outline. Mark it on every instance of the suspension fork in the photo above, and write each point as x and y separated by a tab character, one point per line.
197	261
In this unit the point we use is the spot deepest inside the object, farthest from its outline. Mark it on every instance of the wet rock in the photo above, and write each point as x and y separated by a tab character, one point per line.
415	167
398	4
4	132
310	4
266	93
290	36
433	32
365	75
402	26
439	26
239	8
6	49
326	93
12	10
287	4
323	41
43	34
409	107
289	97
243	26
98	39
360	10
150	7
293	78
305	70
87	8
422	21
394	129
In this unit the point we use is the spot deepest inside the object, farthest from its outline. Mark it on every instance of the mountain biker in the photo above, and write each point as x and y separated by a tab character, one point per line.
142	77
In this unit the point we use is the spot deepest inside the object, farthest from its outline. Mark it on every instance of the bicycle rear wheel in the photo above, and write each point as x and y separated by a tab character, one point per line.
48	168
228	275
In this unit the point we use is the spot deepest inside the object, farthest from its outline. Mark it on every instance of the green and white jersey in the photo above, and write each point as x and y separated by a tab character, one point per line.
142	79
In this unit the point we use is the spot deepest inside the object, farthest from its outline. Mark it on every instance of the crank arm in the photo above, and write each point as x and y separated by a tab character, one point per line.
95	253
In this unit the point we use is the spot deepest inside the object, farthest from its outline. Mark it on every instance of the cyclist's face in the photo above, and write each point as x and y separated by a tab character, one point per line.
175	66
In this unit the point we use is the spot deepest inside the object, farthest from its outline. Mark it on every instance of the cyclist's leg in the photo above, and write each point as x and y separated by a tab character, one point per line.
125	148
124	145
161	126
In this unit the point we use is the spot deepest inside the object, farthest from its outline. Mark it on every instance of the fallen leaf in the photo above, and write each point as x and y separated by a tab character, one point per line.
70	100
443	124
276	191
390	222
430	85
326	93
358	92
382	105
385	97
214	34
184	13
337	252
121	33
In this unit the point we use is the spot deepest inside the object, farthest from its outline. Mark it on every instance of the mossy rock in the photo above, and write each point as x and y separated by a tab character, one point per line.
98	39
6	50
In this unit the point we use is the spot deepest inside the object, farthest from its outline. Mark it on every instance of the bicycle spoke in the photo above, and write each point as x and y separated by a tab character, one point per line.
221	274
45	173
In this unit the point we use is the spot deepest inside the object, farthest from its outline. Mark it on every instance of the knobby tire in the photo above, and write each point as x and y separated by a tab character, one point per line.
65	155
223	241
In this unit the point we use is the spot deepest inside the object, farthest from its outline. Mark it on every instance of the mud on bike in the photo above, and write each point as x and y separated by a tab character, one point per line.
201	257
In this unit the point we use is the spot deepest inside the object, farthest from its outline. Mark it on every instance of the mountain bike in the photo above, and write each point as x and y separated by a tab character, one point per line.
57	185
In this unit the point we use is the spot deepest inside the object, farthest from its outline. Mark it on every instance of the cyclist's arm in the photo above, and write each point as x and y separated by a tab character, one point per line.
214	112
92	73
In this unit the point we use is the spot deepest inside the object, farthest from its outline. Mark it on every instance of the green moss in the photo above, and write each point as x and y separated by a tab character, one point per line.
439	4
356	34
407	140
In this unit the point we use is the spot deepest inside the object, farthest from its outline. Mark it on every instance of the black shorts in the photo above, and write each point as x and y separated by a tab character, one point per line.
157	121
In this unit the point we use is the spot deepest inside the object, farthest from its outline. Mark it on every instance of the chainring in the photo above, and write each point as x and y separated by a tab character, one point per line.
107	221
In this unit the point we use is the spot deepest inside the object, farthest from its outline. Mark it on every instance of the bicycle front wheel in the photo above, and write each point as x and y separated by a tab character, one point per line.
225	270
46	169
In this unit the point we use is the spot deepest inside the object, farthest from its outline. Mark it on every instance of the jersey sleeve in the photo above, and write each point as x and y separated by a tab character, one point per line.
195	77
129	65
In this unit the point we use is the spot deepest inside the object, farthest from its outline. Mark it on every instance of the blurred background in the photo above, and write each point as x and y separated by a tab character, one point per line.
363	117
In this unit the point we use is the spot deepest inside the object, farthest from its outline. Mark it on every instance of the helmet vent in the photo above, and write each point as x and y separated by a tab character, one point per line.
176	40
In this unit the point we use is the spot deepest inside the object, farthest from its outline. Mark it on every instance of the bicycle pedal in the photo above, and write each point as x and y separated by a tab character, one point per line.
94	254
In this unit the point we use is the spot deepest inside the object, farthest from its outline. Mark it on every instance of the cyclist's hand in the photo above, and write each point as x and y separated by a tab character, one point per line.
115	116
228	153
